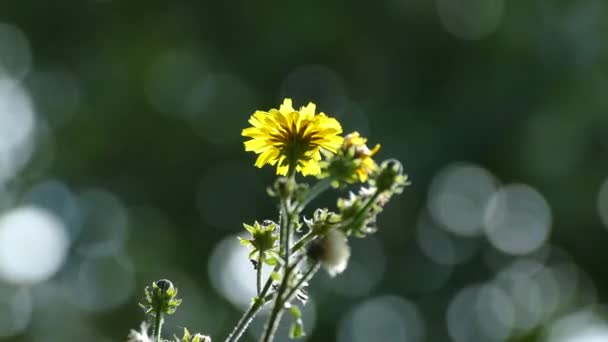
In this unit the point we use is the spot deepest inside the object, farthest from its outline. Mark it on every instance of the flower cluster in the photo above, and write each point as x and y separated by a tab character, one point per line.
297	246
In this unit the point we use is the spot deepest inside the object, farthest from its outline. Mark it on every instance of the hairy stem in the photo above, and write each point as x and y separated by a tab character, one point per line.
248	316
285	230
259	272
158	323
279	303
303	241
244	322
305	278
366	207
277	309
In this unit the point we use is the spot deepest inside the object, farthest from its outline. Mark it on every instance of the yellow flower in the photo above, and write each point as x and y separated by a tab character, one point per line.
292	138
356	143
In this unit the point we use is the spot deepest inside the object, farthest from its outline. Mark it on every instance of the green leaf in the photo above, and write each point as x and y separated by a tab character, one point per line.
295	312
272	261
249	228
253	255
297	330
186	337
244	242
275	276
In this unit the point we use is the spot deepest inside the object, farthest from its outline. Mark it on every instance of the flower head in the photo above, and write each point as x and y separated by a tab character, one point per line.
352	163
290	138
356	144
332	251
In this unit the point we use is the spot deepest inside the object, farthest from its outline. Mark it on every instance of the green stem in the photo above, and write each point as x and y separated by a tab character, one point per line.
284	237
248	316
303	241
279	304
291	171
244	322
158	323
277	309
259	272
366	207
315	191
305	278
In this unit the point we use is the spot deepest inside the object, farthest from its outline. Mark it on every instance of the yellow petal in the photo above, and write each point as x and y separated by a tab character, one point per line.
286	107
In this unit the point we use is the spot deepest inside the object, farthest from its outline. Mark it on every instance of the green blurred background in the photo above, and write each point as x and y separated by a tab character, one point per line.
121	162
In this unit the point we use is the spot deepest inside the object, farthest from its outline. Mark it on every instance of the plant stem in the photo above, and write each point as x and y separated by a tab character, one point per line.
302	242
158	323
259	272
244	322
315	191
366	207
277	309
305	278
285	227
279	304
248	316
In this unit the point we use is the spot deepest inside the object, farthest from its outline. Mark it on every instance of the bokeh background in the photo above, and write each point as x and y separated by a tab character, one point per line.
121	162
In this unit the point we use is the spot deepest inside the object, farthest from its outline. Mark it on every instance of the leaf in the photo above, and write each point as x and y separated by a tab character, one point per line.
297	330
244	242
272	261
186	337
249	228
295	312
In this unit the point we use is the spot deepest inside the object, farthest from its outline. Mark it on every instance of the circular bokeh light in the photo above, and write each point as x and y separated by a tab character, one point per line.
33	245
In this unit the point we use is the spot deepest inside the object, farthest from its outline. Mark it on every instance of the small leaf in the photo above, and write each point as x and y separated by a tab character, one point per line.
275	276
253	255
295	312
186	337
272	261
244	242
249	228
297	330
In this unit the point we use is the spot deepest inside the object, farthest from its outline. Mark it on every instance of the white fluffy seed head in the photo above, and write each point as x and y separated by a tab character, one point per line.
332	251
141	335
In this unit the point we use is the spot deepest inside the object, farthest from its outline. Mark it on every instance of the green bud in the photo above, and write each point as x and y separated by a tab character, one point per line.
322	221
161	297
264	236
284	187
263	242
391	177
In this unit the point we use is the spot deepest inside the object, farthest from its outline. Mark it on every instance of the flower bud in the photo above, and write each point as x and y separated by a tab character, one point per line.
161	298
391	177
283	187
352	163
